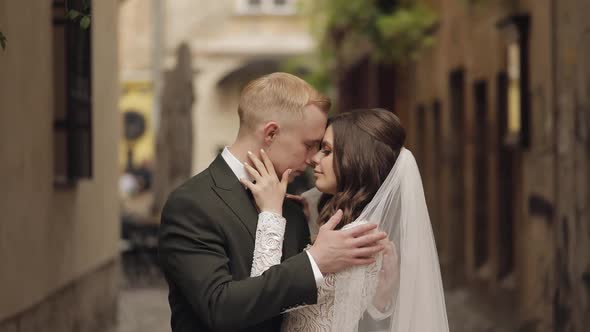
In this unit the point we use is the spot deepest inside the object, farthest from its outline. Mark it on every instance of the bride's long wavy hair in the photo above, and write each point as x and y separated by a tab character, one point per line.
366	145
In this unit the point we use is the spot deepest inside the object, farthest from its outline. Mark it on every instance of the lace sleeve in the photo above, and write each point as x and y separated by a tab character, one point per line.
268	248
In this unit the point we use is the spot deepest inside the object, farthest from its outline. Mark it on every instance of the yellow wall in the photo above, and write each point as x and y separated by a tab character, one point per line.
137	96
50	237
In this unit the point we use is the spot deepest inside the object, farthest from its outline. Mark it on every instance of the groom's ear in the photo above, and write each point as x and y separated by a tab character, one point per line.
271	130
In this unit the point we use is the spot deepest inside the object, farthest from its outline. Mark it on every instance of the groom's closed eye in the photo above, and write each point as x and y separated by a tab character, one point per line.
314	145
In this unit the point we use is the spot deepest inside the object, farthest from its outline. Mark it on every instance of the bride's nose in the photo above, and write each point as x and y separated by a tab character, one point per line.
314	160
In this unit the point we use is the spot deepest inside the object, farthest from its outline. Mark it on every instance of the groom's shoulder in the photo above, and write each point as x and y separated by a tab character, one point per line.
202	179
190	198
196	184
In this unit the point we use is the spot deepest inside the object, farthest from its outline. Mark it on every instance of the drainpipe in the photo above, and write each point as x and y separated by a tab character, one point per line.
157	56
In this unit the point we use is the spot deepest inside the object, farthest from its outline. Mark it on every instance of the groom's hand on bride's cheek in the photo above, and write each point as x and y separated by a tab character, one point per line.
336	250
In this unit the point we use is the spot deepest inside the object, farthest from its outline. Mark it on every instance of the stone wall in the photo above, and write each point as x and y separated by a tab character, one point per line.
471	174
87	305
53	237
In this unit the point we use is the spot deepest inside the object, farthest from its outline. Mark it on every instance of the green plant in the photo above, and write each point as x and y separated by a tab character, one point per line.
345	31
391	32
404	33
311	70
82	15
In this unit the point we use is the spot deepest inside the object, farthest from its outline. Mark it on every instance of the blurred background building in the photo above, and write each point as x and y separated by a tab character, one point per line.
494	95
99	122
230	43
498	114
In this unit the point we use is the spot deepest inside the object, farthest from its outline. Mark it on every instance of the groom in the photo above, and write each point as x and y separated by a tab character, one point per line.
209	223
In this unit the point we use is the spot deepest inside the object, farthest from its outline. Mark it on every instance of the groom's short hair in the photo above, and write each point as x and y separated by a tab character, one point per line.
275	96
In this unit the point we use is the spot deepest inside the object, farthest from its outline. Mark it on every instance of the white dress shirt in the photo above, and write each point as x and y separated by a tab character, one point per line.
240	171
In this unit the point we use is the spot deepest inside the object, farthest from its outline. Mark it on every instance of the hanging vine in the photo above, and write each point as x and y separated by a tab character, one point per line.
81	15
389	31
404	33
392	31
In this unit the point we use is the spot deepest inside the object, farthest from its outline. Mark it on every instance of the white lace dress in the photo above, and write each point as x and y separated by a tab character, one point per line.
309	318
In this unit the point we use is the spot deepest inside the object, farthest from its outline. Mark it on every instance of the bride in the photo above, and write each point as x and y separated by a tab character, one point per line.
364	174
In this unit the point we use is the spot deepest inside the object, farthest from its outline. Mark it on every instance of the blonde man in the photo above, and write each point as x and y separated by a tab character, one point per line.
209	223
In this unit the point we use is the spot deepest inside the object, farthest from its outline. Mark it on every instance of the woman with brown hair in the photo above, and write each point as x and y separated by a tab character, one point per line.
363	172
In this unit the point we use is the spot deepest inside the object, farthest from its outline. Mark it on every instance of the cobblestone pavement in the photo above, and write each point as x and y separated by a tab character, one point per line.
146	309
467	314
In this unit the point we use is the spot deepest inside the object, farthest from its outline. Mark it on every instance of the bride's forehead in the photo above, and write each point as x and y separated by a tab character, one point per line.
328	134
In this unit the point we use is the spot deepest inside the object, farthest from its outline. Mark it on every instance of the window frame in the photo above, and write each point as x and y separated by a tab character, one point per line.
72	113
267	7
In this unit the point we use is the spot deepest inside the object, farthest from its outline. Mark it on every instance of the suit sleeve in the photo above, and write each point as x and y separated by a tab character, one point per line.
192	255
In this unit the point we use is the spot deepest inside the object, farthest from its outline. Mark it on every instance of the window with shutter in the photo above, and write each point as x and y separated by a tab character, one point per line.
72	94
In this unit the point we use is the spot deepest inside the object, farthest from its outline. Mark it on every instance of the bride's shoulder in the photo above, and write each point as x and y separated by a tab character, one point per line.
355	223
312	194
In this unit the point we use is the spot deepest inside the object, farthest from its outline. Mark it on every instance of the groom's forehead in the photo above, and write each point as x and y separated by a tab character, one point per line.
311	126
313	133
314	121
309	135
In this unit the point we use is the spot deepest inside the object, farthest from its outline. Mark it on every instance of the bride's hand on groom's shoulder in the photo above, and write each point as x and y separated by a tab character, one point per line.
336	250
303	202
268	190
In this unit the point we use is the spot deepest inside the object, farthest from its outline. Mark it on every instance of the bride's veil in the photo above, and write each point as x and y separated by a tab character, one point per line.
416	300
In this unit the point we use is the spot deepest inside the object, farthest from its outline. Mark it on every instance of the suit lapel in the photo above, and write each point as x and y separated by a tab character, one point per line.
289	241
234	195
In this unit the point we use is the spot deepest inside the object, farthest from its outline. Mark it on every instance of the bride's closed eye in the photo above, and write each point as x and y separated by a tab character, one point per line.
325	149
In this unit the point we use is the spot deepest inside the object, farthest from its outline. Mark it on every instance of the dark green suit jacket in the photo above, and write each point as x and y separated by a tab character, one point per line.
206	247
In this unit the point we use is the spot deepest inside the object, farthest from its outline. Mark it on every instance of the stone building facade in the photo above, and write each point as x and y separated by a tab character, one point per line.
231	42
498	118
499	109
59	127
